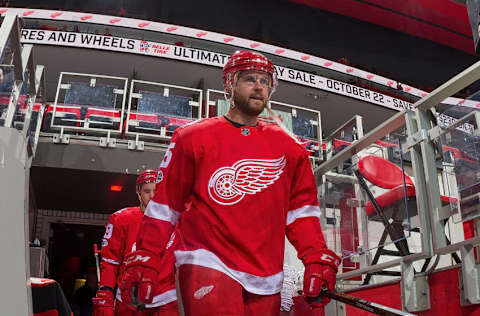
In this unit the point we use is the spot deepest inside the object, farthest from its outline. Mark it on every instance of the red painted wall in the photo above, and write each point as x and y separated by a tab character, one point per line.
444	297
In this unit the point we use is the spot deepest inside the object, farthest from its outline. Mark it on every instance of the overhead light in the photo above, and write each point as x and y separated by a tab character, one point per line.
116	188
317	96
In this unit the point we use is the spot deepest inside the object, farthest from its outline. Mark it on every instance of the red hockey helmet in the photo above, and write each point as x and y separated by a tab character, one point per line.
147	176
247	60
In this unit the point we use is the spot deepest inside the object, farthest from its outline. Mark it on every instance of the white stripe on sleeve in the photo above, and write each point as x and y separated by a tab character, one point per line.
111	261
304	211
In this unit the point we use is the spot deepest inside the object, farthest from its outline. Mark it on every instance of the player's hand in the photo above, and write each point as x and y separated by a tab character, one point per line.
316	277
103	303
321	268
138	284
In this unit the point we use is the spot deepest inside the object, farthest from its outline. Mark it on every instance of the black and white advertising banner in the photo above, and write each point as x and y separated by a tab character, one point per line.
223	39
141	47
80	18
117	44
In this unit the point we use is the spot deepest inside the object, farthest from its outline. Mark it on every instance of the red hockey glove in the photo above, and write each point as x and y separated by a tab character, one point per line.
138	283
320	271
103	303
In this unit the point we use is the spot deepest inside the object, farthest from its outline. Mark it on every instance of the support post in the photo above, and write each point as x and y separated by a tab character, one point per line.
415	289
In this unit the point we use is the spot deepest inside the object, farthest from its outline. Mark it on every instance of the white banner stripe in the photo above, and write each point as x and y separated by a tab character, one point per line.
159	300
111	261
304	211
252	283
86	18
204	57
161	212
117	44
199	34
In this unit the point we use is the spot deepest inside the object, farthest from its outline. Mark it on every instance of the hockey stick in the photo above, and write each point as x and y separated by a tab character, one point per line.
97	260
361	304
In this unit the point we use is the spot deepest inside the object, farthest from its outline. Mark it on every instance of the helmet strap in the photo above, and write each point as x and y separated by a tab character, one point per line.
229	96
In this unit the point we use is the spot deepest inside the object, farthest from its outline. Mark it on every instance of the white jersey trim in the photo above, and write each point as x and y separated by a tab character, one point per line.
161	212
120	211
111	261
252	283
304	211
159	300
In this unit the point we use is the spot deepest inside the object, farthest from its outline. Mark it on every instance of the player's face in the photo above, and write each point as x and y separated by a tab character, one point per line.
251	91
146	193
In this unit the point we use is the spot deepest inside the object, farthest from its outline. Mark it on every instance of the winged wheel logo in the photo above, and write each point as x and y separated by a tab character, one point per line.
229	185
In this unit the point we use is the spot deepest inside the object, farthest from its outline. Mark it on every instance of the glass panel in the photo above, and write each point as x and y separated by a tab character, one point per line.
81	93
343	137
284	115
86	103
461	163
36	119
157	110
7	54
390	145
369	205
303	123
217	105
306	126
173	105
222	107
7	79
341	226
21	110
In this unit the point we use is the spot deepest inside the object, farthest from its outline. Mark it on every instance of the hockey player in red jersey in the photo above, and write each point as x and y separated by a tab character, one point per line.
118	242
248	184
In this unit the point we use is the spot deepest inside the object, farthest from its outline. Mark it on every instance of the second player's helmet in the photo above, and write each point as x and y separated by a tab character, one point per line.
247	60
147	176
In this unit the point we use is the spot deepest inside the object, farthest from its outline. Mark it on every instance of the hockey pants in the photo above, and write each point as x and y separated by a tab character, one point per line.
207	292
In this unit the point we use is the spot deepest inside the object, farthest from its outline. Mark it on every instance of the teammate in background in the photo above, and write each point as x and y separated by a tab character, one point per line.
82	298
118	243
249	184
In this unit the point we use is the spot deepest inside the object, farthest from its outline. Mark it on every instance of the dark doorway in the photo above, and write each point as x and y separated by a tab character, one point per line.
71	252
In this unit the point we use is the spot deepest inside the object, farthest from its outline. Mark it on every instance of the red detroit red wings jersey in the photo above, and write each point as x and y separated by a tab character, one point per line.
247	188
118	242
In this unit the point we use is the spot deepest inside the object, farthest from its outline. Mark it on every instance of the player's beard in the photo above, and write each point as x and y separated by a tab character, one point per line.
242	103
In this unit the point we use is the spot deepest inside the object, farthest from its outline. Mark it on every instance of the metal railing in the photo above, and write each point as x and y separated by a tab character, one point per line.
156	110
22	84
87	103
437	156
22	88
